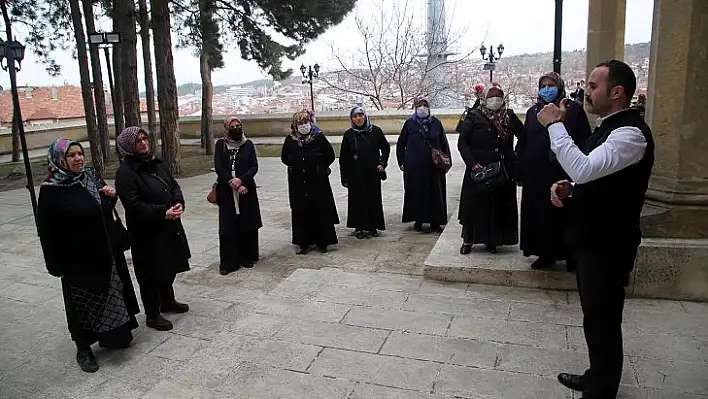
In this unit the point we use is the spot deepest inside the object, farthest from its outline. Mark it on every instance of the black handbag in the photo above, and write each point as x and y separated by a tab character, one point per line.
120	237
493	174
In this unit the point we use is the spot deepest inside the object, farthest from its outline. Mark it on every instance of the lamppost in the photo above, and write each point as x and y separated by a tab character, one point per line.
14	51
491	58
106	40
557	37
308	73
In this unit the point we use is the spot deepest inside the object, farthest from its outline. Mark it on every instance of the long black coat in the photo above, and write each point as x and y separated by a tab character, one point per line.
314	212
490	215
159	246
359	157
74	234
425	198
246	167
542	224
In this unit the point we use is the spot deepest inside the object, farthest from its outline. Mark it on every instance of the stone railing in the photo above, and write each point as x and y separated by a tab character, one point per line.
262	125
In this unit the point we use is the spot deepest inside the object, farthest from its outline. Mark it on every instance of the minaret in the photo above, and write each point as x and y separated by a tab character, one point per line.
437	53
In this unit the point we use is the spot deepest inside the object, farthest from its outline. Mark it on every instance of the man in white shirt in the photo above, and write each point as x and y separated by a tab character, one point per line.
609	177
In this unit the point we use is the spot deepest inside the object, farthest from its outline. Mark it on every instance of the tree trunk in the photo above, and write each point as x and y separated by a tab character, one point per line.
124	10
118	118
166	85
207	96
90	114
147	61
98	92
15	130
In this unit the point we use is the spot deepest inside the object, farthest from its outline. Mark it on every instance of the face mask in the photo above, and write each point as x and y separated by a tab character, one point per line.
304	129
236	133
548	94
495	103
422	111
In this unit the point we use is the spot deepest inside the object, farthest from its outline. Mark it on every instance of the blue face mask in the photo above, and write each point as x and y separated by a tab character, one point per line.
548	94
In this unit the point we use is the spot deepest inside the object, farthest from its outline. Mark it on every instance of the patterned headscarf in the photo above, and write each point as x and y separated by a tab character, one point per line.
301	117
366	127
227	126
61	176
500	118
126	144
560	84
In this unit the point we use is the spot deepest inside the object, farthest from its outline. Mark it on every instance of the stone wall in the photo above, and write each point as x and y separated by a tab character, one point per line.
269	125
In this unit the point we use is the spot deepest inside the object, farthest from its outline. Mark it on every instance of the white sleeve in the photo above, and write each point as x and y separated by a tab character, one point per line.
625	146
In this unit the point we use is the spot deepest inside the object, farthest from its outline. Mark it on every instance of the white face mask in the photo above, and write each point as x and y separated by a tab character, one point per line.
495	103
304	129
422	111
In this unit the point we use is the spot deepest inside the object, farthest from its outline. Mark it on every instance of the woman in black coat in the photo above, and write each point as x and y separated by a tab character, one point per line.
362	162
154	204
236	165
76	219
488	212
425	198
308	155
543	225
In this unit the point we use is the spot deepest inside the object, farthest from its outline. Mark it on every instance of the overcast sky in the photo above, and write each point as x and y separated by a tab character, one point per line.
523	26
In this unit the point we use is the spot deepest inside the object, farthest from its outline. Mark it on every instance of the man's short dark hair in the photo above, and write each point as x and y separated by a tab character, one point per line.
620	74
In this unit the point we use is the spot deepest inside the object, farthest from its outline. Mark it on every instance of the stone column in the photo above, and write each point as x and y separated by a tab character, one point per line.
605	31
677	111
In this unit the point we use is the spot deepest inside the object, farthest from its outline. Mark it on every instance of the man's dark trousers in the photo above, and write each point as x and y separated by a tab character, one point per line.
602	276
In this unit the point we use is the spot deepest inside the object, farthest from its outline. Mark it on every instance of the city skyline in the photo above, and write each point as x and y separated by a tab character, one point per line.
488	25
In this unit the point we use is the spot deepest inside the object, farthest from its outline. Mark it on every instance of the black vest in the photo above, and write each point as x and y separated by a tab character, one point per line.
605	212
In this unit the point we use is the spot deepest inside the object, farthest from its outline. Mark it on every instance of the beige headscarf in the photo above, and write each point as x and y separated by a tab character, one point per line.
227	125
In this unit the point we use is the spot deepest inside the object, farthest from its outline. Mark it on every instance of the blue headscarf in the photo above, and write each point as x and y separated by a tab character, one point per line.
366	127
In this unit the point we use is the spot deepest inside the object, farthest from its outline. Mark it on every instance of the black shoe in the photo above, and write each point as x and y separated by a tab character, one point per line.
573	381
248	265
174	307
359	234
465	249
374	233
301	250
323	248
570	265
224	270
492	249
159	323
436	228
542	263
418	226
86	360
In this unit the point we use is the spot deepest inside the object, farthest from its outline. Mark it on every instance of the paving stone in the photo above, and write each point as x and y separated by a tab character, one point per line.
548	313
457	306
376	369
687	377
458	351
333	335
367	391
172	390
281	354
417	322
144	370
257	381
204	371
480	383
509	331
178	347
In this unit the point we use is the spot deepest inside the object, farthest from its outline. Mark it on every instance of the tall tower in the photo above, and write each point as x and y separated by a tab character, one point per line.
437	54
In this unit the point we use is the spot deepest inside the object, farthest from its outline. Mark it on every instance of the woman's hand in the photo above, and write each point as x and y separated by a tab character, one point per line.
174	212
235	183
380	168
242	190
477	167
108	191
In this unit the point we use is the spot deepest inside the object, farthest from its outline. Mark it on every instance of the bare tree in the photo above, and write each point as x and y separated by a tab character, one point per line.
391	66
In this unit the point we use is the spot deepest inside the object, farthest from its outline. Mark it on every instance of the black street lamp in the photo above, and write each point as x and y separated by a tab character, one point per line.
491	58
308	73
557	37
14	51
106	40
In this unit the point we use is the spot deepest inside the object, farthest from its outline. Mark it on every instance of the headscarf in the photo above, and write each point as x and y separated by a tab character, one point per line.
227	126
300	117
421	100
61	176
366	127
500	118
560	84
126	144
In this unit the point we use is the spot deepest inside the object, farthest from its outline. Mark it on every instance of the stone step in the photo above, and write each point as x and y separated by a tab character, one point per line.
508	267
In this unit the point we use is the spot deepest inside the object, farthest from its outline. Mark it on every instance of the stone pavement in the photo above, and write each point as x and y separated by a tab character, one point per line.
358	322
